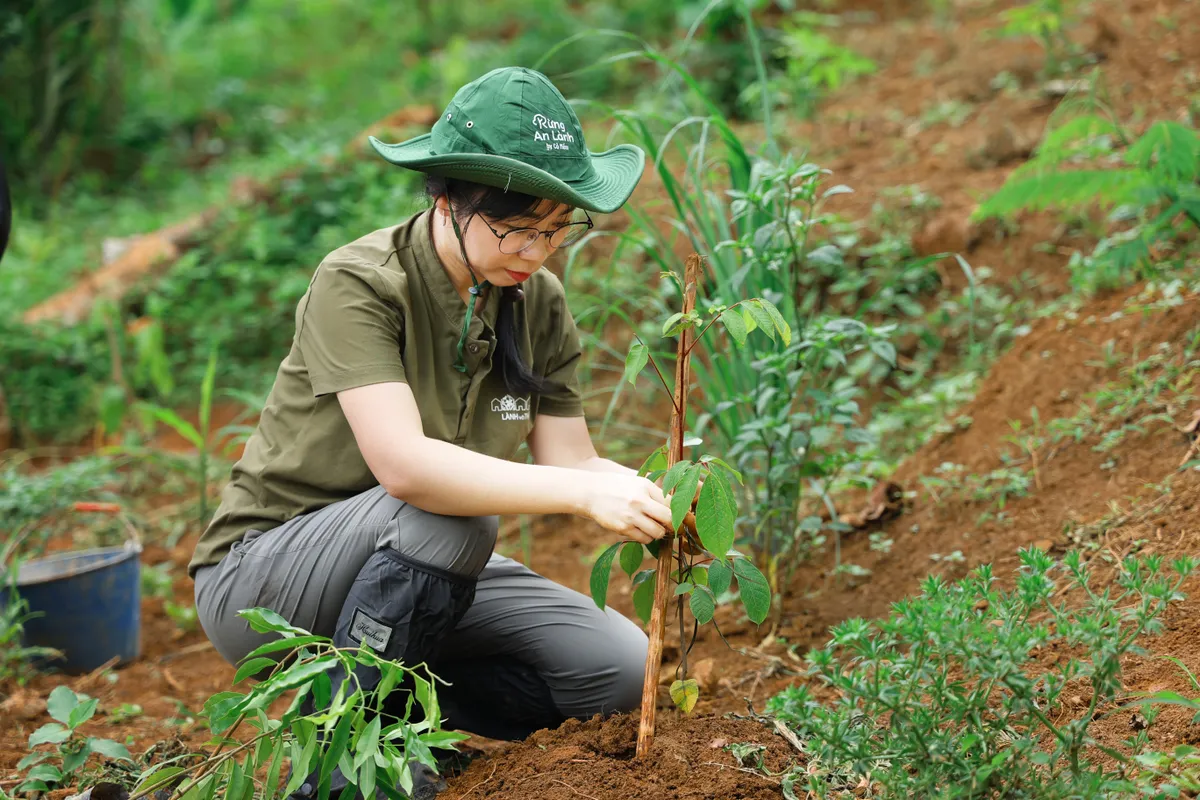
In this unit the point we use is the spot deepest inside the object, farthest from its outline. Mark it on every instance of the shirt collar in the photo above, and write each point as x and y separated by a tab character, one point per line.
438	283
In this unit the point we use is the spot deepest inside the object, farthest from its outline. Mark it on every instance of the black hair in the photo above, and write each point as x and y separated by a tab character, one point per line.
466	200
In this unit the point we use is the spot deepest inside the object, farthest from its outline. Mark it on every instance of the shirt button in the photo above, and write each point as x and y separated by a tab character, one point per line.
474	348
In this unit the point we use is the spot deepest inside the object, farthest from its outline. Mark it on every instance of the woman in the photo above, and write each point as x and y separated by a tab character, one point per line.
365	506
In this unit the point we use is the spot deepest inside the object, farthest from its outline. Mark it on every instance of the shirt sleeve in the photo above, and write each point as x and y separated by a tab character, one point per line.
563	398
348	334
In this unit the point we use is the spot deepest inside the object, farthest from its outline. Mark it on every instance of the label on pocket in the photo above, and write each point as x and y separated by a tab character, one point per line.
364	628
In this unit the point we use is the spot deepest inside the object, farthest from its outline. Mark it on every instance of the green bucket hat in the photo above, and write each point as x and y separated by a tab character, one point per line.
513	130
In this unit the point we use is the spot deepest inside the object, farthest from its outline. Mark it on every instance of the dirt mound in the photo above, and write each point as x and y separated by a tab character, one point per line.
691	758
1051	372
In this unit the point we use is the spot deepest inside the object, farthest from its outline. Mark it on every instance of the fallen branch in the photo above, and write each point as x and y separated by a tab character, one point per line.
153	254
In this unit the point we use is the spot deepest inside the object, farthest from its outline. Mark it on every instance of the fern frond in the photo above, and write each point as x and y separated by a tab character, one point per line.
1169	150
1065	140
1073	189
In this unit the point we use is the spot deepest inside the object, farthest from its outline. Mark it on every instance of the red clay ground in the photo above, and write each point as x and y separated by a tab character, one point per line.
1055	368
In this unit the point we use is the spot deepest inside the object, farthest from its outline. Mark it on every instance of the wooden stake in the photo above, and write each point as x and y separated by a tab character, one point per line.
662	582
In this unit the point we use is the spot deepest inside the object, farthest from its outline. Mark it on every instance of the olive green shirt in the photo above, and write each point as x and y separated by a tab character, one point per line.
383	309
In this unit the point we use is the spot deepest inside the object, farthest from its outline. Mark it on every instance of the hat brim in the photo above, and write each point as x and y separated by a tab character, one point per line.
615	173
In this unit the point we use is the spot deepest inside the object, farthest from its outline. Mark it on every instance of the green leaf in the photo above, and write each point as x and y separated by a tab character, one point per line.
714	460
761	317
109	749
30	787
654	462
50	733
31	759
72	761
734	325
704	604
748	318
777	320
172	420
276	645
720	575
1066	190
444	740
45	772
674	475
253	667
632	554
636	360
886	352
699	576
643	594
683	494
221	710
671	322
715	515
206	393
366	778
237	783
600	573
337	745
683	588
1170	150
754	589
415	748
301	763
685	694
273	771
298	673
83	713
62	702
367	743
391	675
264	620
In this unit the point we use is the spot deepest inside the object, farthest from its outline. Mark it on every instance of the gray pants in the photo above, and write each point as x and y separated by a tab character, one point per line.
527	654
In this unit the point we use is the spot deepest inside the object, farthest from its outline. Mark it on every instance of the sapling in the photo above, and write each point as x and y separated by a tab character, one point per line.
71	748
704	483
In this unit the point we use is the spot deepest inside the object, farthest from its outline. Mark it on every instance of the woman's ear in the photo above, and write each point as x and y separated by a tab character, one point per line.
442	204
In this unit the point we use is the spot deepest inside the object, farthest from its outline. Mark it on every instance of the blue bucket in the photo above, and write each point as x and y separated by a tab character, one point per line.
86	604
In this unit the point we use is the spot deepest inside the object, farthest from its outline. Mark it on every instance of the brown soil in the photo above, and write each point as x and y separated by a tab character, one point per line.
869	136
689	759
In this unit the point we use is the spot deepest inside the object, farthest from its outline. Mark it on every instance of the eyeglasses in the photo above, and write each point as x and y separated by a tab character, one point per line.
520	239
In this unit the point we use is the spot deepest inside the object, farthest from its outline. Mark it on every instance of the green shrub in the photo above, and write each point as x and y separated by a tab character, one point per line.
949	696
1150	186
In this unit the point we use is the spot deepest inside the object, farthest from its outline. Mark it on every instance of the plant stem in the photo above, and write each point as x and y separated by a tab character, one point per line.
662	577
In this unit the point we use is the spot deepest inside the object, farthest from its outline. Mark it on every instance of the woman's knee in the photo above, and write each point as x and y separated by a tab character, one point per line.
607	672
461	545
629	660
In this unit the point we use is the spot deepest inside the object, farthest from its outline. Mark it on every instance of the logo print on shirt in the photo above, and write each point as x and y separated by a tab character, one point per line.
511	409
552	133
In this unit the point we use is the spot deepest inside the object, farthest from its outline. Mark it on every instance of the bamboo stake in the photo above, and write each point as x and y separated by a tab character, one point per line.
662	582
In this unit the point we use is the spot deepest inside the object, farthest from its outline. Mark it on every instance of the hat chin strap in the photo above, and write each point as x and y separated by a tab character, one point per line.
460	363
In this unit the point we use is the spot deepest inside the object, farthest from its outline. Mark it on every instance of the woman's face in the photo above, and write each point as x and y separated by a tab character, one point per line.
483	246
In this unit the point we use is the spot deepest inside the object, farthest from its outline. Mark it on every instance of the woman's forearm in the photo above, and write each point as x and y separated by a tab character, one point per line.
599	464
455	481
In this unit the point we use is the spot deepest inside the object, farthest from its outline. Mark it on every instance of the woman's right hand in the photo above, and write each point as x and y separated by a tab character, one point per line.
628	505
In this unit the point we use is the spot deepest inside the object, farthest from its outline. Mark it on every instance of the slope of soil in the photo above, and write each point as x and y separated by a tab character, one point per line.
872	137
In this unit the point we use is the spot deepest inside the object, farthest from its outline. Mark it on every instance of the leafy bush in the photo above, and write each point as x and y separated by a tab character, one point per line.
949	696
1151	186
816	66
